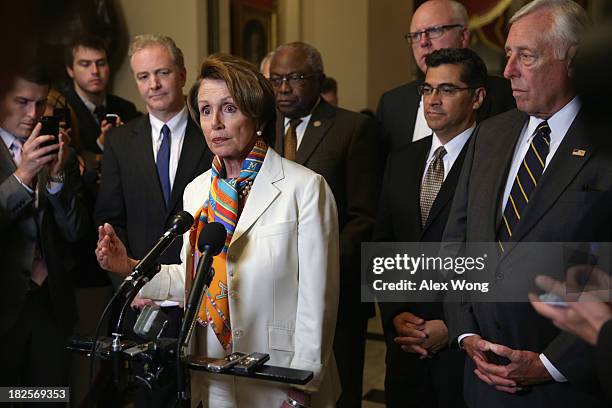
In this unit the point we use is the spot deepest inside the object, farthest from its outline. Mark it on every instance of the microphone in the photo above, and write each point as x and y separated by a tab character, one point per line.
148	266
210	243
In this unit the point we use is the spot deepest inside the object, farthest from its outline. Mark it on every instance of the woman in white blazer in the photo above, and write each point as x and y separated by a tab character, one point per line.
279	272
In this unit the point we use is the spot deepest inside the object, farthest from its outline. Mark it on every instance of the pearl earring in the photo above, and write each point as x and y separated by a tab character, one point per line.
259	133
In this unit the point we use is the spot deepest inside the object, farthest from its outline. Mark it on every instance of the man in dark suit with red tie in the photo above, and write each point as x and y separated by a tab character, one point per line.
418	189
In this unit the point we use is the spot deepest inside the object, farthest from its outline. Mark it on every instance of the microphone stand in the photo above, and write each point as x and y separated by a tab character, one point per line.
131	293
189	321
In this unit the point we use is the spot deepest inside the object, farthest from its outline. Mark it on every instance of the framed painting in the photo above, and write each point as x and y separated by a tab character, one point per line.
253	28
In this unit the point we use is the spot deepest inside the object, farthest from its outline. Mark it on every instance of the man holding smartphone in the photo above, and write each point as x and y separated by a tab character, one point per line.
40	212
94	110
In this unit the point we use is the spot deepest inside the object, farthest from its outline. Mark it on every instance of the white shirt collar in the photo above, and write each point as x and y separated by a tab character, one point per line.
453	147
177	125
7	138
559	123
89	104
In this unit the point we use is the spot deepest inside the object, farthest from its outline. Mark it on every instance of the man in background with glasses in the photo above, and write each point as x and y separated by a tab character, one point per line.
343	147
435	24
418	189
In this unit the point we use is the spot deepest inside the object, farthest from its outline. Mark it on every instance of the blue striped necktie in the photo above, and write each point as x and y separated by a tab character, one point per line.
163	163
525	182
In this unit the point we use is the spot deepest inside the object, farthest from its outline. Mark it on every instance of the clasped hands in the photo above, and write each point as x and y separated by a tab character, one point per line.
416	335
525	367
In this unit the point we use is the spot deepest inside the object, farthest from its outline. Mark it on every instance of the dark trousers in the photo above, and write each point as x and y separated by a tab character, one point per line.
435	382
33	352
349	350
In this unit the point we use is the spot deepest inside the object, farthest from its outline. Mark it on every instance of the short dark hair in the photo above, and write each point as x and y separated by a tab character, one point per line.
474	72
249	89
86	41
33	70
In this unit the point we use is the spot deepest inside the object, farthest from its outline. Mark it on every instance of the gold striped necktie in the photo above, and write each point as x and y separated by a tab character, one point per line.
525	182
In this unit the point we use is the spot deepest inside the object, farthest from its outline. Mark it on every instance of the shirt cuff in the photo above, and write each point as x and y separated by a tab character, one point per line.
28	188
463	336
552	370
54	188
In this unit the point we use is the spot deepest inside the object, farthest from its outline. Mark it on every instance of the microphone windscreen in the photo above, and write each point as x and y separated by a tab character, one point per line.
181	222
212	236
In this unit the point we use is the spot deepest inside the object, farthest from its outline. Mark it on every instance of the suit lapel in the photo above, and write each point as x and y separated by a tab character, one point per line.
194	147
320	122
88	127
7	165
447	190
262	194
143	148
560	172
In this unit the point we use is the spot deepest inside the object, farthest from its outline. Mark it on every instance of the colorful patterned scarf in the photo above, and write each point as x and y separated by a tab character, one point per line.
222	206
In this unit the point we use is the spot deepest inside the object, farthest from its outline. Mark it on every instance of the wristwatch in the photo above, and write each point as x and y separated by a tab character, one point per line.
58	178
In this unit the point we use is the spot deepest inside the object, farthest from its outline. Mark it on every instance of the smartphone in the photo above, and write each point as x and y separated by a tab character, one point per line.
251	362
553	299
222	364
50	126
112	118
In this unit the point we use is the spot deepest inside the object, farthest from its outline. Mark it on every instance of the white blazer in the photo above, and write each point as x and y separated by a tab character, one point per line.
283	283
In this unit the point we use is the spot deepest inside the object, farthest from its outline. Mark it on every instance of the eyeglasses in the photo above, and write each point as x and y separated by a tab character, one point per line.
431	33
294	80
443	90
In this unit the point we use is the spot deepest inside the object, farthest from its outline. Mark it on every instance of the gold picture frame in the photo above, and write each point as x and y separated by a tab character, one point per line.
253	29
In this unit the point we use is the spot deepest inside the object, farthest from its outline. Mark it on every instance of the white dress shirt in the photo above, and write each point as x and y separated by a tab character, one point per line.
177	125
453	148
559	124
421	128
299	130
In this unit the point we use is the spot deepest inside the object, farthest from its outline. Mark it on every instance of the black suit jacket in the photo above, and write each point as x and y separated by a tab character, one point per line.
130	196
570	204
399	220
87	129
397	109
604	358
56	220
343	147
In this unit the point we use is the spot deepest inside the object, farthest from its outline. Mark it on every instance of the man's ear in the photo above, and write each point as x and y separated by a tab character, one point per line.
70	72
570	59
465	38
479	97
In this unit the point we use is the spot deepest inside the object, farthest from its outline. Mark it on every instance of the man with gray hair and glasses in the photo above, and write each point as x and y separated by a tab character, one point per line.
435	24
530	175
